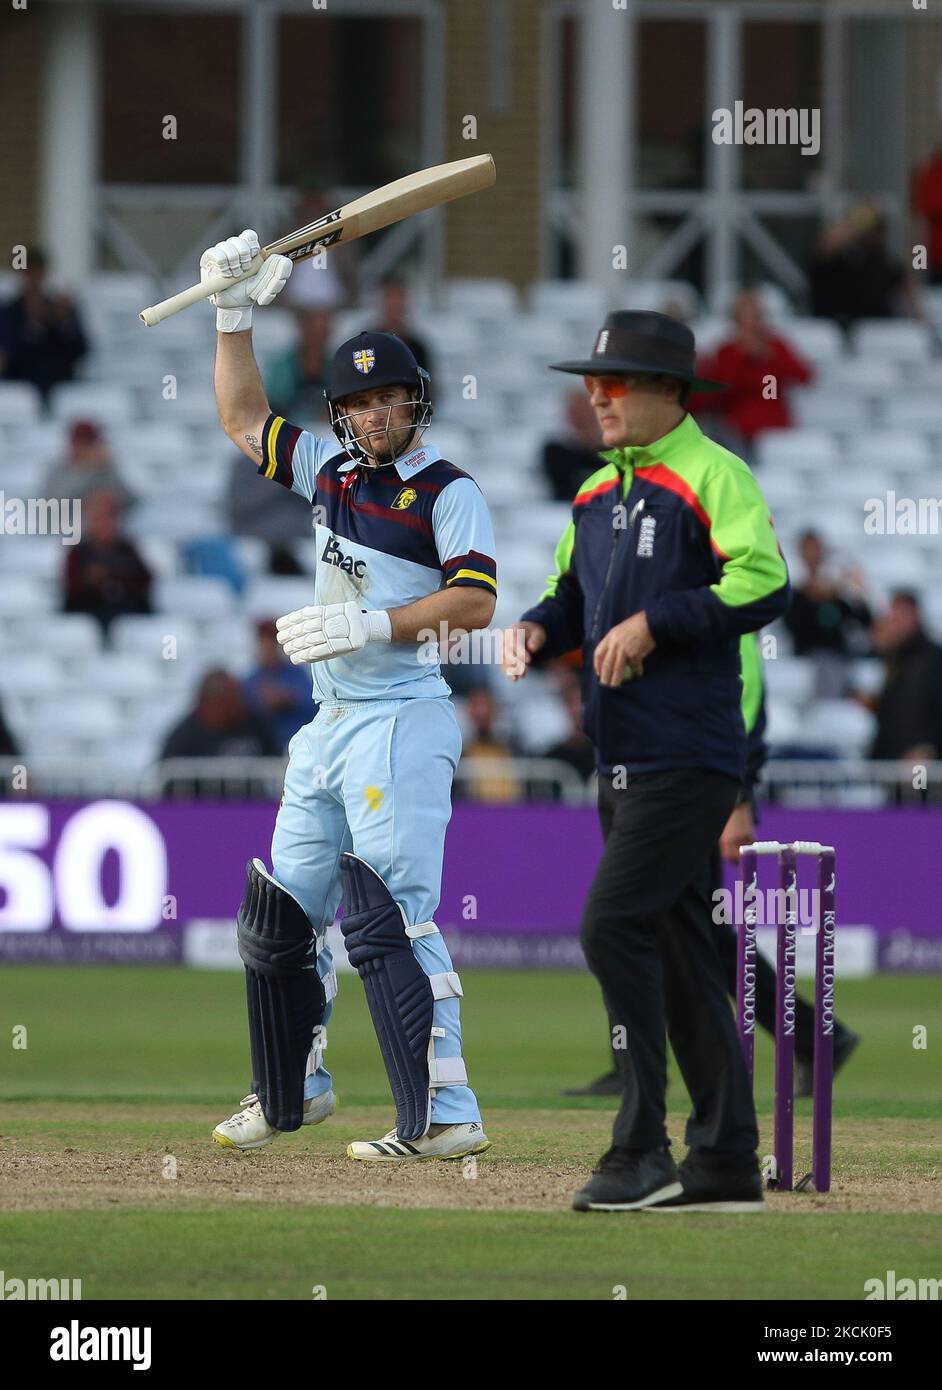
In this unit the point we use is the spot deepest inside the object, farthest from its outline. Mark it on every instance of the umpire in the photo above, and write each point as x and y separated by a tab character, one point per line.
670	556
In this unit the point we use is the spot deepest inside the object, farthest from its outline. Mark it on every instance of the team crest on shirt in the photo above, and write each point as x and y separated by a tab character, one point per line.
364	359
404	499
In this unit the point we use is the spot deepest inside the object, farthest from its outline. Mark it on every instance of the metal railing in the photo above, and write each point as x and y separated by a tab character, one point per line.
844	782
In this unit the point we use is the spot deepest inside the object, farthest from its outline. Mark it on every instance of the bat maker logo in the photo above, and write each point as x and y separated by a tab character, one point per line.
333	555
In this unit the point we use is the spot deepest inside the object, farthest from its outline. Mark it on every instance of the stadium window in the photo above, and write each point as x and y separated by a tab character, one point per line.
782	69
180	65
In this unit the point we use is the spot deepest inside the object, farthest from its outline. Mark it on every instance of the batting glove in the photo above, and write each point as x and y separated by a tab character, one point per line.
331	629
234	257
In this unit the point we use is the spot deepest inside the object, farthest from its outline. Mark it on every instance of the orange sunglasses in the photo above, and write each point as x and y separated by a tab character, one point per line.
613	386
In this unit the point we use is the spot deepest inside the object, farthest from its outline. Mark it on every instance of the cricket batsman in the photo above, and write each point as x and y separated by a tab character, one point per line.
402	544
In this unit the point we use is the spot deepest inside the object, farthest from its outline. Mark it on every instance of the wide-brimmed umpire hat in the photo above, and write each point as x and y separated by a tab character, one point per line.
632	341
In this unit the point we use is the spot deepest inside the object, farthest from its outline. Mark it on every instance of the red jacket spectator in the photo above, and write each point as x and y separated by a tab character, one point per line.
927	200
758	367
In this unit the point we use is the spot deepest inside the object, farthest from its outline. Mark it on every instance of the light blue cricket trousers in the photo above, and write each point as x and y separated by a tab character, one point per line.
373	777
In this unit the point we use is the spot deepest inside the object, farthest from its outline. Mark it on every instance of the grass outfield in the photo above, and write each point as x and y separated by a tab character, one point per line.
106	1172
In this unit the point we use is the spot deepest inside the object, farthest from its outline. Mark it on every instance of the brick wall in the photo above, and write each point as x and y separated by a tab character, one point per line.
496	233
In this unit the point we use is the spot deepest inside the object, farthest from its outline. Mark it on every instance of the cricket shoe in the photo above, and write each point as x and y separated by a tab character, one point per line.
442	1141
629	1179
608	1085
248	1128
845	1041
729	1184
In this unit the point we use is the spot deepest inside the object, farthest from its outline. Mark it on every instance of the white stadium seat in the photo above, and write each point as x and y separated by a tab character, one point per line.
67	636
178	516
802	450
29	674
79	400
119	292
20	403
903	450
569	300
918	410
155	635
789	678
841	726
482	298
126	676
196	596
25	596
40	557
81	715
271	596
21	477
819	339
827	409
897	340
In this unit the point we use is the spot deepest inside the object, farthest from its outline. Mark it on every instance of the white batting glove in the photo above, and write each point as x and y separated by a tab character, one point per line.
331	629
233	257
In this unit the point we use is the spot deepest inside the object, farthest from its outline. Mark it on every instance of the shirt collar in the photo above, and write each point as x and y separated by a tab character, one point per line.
408	465
681	438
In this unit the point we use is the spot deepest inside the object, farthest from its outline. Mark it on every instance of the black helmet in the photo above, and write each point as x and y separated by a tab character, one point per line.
362	364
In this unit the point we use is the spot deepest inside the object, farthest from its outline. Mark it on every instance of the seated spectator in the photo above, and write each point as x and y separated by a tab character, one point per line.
86	467
41	334
104	574
575	749
909	707
278	691
759	367
852	274
483	743
273	514
295	379
568	460
828	612
395	317
221	725
927	202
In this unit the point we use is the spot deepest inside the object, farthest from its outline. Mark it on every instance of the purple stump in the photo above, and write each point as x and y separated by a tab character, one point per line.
746	958
823	1024
786	939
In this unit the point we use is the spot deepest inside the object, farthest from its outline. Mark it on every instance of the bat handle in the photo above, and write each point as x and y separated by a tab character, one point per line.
158	312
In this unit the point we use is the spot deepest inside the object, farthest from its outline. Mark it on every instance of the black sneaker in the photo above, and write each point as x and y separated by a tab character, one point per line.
627	1180
845	1041
607	1085
730	1184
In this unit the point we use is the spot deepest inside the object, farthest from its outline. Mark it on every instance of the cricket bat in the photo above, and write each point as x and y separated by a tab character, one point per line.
428	188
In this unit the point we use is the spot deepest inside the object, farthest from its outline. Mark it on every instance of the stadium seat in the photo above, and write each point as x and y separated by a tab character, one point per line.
869	375
155	635
177	516
819	339
29	674
195	596
916	411
897	340
81	715
827	409
799	450
126	676
26	596
20	403
23	477
482	298
789	678
40	557
903	450
79	400
661	295
569	300
839	726
784	723
68	635
271	596
119	292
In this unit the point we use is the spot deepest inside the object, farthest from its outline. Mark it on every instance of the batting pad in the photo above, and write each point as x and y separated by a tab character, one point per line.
286	997
398	991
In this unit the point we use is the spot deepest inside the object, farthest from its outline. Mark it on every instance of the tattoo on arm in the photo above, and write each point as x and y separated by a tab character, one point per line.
253	443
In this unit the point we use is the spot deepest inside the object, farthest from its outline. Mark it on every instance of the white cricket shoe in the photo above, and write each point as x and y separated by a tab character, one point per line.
442	1141
248	1128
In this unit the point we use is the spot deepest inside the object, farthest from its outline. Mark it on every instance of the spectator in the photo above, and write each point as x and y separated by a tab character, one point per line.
221	725
273	514
759	366
852	274
87	466
828	613
276	690
295	379
395	317
483	743
575	749
927	202
41	335
105	576
568	461
909	707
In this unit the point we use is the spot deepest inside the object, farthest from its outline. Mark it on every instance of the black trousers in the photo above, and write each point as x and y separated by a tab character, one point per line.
649	939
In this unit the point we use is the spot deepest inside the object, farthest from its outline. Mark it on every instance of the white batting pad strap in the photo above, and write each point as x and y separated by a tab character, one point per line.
330	985
316	1055
447	1071
421	929
446	985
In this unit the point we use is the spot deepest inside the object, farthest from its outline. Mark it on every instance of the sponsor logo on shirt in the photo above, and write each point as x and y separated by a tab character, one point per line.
413	460
333	555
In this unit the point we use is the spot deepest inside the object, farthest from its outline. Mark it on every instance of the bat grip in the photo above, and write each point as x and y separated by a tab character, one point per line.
215	285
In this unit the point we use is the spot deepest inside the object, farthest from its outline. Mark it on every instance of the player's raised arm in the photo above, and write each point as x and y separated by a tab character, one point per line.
240	396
